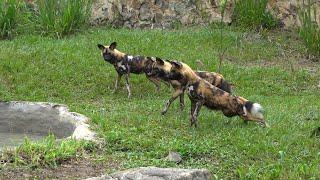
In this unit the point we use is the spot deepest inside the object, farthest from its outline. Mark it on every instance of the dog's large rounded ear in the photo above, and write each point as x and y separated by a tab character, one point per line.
176	64
100	46
113	46
159	61
150	60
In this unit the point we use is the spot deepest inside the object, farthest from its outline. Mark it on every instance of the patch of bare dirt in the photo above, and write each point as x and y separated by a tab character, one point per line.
73	169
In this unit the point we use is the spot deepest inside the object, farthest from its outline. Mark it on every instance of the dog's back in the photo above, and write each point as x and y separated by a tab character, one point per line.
215	79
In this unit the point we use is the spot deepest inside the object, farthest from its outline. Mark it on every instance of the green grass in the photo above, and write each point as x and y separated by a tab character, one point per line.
61	17
55	18
71	71
8	17
309	30
253	14
46	153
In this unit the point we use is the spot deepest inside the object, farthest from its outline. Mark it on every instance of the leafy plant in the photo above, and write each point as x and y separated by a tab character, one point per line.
62	17
310	30
8	17
253	14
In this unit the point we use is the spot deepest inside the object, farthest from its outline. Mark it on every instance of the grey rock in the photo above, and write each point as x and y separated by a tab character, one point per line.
174	157
127	24
155	173
104	177
145	13
158	18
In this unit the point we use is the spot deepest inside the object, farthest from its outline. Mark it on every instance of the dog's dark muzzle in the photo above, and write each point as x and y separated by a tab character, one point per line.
109	58
150	72
175	76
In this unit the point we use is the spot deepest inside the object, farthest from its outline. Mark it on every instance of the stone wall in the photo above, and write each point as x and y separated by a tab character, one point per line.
287	11
168	13
157	13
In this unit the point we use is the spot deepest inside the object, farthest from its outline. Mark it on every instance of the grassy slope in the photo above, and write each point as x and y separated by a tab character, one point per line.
71	71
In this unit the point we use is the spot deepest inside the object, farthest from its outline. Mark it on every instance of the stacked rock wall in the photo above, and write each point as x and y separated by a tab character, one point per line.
167	13
287	11
157	13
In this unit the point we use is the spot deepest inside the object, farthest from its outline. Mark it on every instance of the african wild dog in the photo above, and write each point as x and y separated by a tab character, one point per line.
201	92
161	69
126	64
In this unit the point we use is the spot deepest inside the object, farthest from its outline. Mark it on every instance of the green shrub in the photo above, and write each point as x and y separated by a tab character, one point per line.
8	17
61	17
310	30
252	14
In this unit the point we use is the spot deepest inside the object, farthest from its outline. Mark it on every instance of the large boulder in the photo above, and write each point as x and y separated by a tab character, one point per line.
155	173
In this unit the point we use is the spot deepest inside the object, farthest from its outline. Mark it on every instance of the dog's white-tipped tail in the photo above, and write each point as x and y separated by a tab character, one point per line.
257	110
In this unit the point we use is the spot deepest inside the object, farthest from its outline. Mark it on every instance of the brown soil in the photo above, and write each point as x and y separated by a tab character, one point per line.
73	169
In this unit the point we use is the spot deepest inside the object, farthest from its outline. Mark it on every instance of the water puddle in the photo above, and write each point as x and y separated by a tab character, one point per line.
20	120
9	140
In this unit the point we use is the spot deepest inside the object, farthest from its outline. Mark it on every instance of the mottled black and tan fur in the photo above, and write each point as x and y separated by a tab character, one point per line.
201	92
126	64
162	68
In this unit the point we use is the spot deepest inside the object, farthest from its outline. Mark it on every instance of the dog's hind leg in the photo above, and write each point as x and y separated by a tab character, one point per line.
128	85
117	82
156	82
174	96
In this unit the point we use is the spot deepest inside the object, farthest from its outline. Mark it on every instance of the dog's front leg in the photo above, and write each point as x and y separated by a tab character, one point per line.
192	110
182	101
117	82
156	82
166	83
174	96
128	85
195	108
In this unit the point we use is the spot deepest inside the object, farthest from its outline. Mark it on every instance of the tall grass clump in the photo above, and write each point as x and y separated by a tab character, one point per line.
8	17
253	14
46	153
310	30
61	17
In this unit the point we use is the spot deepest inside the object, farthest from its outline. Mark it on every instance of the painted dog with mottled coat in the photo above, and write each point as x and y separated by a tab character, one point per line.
162	68
201	92
126	64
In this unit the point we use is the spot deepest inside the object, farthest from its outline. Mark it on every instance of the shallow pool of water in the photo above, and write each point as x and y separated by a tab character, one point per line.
9	140
20	120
